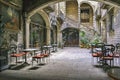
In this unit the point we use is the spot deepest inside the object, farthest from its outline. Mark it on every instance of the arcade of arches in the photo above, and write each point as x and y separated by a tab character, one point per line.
67	23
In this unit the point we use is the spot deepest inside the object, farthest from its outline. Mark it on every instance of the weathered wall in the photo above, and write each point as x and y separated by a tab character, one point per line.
11	22
115	35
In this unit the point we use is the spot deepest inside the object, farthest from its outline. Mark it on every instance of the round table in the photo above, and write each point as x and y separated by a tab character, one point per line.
114	73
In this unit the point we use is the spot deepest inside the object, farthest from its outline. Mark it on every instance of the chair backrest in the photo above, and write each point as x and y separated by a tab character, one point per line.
92	48
117	48
13	48
20	47
108	49
99	45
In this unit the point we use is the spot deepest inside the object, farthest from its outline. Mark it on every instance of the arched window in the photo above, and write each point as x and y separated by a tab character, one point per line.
86	14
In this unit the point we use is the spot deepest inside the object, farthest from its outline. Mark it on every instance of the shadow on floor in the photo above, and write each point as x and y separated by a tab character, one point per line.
34	68
41	64
18	67
98	66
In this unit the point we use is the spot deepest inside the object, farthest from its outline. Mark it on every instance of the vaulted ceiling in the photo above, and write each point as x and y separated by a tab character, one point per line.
29	5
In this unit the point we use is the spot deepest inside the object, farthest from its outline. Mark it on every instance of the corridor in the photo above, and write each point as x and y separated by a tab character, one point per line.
69	63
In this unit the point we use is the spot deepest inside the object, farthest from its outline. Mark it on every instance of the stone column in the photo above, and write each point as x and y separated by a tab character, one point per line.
48	37
94	23
59	38
27	32
79	20
54	35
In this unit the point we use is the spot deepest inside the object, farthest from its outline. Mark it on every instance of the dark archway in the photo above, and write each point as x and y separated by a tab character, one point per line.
70	37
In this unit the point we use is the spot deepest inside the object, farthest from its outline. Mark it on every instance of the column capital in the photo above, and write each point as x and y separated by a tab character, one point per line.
28	20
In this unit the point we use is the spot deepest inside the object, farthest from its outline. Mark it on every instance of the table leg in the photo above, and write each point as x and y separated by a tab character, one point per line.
26	59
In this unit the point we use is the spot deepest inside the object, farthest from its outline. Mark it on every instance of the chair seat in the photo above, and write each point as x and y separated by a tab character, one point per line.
17	54
114	55
97	54
46	55
117	55
107	58
94	54
38	56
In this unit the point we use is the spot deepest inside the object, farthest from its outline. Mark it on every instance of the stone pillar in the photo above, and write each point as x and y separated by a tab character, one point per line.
94	23
48	37
54	35
59	38
79	20
27	33
61	43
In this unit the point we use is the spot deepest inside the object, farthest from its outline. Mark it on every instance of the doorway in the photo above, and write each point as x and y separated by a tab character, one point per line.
70	37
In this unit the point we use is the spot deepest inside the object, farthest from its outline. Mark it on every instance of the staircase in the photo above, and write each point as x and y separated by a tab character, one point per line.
70	23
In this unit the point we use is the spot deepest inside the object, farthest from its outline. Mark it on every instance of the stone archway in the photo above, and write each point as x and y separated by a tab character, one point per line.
70	37
48	25
40	7
48	2
45	17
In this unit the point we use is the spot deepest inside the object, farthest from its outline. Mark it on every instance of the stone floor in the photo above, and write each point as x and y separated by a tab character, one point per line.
70	63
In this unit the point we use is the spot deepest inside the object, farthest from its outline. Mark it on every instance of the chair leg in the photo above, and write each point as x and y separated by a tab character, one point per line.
40	60
16	60
118	61
32	61
37	60
10	59
113	62
110	64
